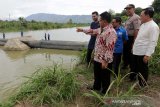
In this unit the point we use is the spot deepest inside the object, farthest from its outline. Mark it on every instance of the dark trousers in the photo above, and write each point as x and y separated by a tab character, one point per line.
127	51
101	77
89	54
140	68
116	62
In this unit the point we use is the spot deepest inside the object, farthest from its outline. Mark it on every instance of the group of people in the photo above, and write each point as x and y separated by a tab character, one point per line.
45	36
4	35
110	40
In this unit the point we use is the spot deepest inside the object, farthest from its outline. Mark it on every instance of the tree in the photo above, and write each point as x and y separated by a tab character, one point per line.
118	14
124	18
138	10
33	21
23	22
157	18
70	21
46	23
123	13
156	5
112	12
21	19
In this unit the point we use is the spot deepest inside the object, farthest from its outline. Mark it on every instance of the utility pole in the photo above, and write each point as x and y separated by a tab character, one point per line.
9	16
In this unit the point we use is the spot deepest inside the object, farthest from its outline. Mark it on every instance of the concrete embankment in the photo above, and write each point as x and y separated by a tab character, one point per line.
2	42
52	44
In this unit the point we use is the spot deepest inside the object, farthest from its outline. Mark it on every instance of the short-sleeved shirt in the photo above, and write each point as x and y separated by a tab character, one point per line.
121	36
91	44
133	23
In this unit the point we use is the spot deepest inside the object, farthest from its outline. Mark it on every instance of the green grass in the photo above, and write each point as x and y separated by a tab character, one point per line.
154	63
52	86
82	56
56	86
119	88
119	91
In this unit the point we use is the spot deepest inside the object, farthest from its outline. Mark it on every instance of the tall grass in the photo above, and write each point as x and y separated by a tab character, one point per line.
82	56
52	86
119	95
154	63
117	89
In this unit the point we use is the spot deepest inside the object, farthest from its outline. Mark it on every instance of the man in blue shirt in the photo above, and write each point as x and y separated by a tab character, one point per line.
94	25
122	37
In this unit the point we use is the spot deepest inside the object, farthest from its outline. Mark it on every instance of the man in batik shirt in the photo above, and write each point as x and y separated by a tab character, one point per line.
103	56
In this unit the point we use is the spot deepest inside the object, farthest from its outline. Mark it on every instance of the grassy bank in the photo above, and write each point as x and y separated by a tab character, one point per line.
53	86
14	26
58	87
154	63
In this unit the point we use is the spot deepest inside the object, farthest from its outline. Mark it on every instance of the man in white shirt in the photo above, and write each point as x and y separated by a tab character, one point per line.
144	45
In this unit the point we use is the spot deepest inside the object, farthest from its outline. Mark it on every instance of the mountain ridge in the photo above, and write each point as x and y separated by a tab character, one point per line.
47	17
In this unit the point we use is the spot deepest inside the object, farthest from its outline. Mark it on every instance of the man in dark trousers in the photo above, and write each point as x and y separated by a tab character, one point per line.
132	26
48	36
21	33
144	45
3	35
45	36
91	44
103	55
122	38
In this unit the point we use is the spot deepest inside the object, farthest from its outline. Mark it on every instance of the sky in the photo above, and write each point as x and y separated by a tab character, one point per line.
22	8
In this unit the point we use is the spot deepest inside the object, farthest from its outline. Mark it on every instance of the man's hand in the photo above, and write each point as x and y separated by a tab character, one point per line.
146	59
79	30
104	64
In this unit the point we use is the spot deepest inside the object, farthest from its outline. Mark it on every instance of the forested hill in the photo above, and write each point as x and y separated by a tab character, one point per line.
59	18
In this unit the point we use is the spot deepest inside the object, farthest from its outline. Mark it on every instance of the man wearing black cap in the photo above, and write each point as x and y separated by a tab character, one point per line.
132	26
144	45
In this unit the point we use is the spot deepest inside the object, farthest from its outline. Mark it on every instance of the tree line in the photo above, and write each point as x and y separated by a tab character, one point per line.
23	25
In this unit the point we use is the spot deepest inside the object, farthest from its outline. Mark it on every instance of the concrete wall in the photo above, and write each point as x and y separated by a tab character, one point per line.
52	44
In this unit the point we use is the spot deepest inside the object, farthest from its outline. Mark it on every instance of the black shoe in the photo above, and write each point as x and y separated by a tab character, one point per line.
91	88
132	79
103	92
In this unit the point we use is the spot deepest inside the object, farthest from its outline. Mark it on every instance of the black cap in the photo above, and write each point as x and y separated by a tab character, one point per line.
149	9
129	6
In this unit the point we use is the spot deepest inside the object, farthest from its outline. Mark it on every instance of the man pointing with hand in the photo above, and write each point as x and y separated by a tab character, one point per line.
103	56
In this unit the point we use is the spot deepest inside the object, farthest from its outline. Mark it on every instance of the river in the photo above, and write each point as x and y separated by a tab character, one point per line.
14	65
